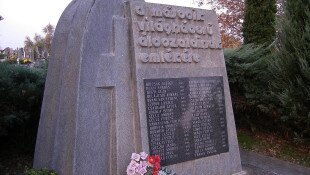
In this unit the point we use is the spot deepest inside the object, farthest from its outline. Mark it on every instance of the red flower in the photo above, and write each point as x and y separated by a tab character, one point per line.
157	166
151	159
157	158
155	173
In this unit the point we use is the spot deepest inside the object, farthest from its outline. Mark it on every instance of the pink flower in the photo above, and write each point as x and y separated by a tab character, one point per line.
133	164
144	163
141	169
130	170
135	156
143	155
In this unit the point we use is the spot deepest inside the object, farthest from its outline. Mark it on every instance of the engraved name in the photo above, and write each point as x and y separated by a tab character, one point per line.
190	120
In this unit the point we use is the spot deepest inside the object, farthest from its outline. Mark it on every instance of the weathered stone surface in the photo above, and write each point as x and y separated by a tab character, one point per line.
81	131
179	42
94	110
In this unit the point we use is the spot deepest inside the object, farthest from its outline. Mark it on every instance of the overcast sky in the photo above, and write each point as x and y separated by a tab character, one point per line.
26	17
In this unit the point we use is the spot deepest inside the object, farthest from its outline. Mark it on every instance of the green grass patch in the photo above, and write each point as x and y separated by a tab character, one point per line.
299	156
40	172
246	141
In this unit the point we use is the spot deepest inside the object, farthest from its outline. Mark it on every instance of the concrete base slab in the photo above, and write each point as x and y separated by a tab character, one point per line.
257	164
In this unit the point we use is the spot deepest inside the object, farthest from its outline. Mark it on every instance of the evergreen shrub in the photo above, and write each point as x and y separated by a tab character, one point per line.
21	92
249	80
290	70
269	92
259	21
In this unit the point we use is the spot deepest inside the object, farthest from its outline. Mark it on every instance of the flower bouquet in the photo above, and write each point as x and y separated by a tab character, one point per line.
143	164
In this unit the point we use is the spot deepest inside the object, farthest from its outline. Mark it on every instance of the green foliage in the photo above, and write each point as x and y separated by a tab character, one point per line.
163	170
21	92
2	56
149	170
10	61
291	68
269	90
271	85
259	21
249	80
40	172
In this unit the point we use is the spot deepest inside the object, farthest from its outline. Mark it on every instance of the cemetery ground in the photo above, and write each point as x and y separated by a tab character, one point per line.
272	145
15	162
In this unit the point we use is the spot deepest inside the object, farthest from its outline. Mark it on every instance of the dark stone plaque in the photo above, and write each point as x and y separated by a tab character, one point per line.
186	118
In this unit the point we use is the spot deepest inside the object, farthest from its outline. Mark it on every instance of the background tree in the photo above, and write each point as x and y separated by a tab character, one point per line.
231	15
291	68
49	35
28	43
29	47
40	44
259	21
231	18
33	47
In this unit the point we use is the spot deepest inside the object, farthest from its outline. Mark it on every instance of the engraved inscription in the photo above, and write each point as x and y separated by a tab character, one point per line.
186	118
173	43
169	34
172	28
174	57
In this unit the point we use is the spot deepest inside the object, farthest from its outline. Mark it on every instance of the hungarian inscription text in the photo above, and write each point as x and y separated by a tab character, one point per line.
170	34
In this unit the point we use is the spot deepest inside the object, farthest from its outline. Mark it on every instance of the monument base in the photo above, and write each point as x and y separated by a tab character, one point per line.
241	173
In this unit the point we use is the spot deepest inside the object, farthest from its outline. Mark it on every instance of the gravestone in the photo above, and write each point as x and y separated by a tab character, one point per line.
20	53
131	77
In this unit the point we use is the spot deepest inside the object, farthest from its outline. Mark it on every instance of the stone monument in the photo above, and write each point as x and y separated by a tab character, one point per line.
133	76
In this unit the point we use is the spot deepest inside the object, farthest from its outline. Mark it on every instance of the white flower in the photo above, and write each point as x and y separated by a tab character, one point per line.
143	155
135	156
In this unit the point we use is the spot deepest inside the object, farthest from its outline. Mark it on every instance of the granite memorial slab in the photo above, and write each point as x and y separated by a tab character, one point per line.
133	76
186	118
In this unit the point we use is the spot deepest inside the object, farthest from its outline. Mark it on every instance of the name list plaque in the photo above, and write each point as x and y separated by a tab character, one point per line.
186	118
